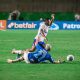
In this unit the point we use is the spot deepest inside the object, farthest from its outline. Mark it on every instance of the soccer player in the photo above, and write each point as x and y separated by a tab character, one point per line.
39	56
42	32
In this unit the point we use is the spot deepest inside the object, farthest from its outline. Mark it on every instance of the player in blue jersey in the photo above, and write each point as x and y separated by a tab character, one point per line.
40	55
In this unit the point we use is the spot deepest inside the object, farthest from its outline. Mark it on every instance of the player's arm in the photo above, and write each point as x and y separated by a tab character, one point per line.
16	60
51	59
54	62
52	19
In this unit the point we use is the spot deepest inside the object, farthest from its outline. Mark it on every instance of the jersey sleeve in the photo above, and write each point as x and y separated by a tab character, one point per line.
42	25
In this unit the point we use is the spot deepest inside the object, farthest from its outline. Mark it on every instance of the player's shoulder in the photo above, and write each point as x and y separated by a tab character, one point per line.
42	23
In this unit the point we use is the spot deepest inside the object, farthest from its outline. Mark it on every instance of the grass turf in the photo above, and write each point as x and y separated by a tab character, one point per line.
63	42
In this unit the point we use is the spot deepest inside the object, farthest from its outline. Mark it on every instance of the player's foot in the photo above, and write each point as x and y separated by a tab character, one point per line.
9	60
13	51
59	61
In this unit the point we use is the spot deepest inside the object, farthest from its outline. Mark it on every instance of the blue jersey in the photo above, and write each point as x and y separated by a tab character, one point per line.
40	55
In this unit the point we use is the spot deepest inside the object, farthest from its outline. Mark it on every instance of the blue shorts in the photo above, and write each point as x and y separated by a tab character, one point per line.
35	42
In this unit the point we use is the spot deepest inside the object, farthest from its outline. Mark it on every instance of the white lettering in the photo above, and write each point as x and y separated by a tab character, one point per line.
23	25
71	26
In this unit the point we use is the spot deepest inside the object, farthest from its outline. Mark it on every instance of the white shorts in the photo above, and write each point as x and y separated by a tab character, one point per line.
26	57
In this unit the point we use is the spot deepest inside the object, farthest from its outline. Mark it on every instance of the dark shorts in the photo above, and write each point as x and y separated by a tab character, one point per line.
35	42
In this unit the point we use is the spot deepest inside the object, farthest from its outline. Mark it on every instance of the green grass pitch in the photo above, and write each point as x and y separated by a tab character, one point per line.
63	42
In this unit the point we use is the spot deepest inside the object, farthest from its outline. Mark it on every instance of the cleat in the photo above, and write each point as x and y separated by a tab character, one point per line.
13	51
9	61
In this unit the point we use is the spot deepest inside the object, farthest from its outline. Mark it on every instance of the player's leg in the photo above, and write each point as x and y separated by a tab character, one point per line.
18	52
15	60
14	51
49	57
23	57
33	46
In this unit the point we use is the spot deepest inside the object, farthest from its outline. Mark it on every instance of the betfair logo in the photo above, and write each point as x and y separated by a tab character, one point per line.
21	25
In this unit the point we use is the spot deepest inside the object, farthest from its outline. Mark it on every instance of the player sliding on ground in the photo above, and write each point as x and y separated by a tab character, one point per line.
39	56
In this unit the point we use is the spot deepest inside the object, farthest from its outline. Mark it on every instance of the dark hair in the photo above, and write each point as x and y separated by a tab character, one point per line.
14	16
47	18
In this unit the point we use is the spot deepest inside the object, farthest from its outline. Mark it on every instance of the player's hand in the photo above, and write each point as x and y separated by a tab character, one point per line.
9	61
46	39
52	15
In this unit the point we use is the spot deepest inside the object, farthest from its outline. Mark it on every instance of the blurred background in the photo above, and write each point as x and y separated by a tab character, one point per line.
39	9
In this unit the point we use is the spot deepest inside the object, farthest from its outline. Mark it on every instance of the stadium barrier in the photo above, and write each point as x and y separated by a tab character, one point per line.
56	25
3	24
65	25
23	24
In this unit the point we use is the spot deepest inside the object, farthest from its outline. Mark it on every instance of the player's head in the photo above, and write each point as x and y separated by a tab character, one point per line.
48	47
47	21
14	16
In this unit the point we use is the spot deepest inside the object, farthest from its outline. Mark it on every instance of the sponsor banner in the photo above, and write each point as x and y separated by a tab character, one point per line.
23	24
65	25
2	24
56	25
